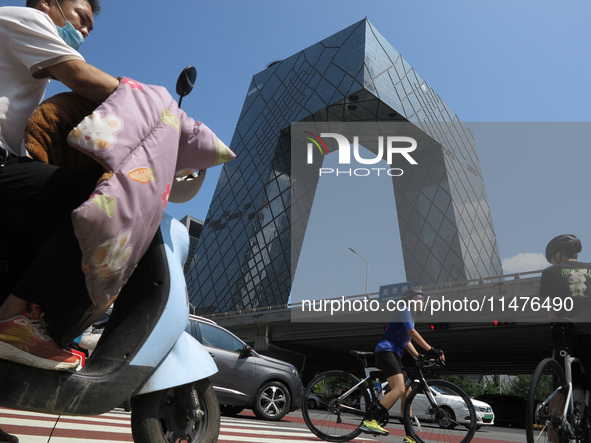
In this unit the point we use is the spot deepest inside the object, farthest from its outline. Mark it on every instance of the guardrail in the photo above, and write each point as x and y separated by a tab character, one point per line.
500	279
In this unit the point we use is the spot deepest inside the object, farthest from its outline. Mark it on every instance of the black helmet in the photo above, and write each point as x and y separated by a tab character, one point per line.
568	244
412	293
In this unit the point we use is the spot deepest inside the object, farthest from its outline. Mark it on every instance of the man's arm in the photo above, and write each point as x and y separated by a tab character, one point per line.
414	335
411	349
84	79
418	339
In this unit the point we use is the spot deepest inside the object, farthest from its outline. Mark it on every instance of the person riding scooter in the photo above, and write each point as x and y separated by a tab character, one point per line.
144	142
41	254
133	255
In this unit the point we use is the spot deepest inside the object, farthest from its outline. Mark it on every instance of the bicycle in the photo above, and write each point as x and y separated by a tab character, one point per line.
343	401
556	406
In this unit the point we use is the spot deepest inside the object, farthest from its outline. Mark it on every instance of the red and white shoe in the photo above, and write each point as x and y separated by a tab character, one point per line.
24	339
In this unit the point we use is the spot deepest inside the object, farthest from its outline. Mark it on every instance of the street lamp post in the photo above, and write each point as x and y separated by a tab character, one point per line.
366	270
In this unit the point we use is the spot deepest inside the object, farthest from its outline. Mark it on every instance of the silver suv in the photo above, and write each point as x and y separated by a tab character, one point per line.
246	379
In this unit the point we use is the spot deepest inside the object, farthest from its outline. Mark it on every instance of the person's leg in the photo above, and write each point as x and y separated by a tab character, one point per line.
17	250
396	392
382	408
37	199
62	292
389	363
20	239
54	276
12	306
34	197
40	199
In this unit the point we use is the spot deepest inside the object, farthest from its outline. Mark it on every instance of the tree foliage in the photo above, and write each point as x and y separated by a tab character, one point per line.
519	386
466	384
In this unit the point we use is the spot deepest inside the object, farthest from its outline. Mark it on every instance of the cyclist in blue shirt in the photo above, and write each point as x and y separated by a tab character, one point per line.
399	333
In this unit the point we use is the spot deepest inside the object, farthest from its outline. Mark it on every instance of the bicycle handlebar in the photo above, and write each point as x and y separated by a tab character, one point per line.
427	362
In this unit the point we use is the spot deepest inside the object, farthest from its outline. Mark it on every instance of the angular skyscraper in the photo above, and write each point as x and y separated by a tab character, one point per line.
244	255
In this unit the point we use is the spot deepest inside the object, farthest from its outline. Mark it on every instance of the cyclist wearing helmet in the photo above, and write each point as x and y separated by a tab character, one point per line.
399	333
568	277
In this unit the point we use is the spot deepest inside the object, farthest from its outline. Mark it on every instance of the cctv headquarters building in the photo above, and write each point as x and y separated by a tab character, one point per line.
247	250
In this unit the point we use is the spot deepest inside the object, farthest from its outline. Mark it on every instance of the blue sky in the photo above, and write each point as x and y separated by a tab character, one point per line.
489	60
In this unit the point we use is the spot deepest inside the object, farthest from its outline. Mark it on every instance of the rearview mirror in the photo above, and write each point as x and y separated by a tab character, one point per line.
247	351
186	82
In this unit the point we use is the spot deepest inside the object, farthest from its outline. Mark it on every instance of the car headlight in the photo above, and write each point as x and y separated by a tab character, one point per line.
294	371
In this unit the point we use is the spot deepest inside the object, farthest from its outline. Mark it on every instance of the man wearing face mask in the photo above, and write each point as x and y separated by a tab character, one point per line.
39	42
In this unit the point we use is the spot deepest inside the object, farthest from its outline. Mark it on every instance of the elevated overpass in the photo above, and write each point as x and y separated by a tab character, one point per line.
474	347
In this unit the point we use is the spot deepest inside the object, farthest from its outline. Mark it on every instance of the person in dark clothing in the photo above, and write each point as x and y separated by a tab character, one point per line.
568	277
39	42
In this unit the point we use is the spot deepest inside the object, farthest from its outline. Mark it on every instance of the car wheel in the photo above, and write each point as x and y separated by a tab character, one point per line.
312	403
231	409
272	401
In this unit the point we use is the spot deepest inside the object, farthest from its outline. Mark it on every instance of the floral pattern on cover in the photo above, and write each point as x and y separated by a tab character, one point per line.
142	137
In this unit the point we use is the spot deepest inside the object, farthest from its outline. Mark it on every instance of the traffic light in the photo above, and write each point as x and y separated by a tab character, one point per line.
496	322
438	326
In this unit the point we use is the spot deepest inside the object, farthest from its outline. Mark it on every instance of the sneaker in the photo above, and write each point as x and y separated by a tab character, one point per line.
373	427
408	439
24	339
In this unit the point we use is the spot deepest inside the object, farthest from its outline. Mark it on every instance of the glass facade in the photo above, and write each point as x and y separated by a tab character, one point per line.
245	253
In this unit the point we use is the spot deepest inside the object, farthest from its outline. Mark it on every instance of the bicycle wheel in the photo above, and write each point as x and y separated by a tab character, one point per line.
545	403
339	406
445	413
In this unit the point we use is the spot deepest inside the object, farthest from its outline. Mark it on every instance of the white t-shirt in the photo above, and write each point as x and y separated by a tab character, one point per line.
30	43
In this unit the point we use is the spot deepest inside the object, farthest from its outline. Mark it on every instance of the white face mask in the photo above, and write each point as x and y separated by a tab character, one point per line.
68	33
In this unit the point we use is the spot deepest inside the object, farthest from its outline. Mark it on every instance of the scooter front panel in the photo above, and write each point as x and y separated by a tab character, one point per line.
187	361
175	316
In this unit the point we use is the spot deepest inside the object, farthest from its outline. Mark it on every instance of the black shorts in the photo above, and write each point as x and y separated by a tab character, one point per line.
389	363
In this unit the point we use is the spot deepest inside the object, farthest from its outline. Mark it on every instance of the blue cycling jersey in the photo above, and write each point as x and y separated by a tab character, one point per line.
396	336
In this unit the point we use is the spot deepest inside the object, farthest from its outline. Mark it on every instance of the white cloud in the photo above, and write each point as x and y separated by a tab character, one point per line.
524	262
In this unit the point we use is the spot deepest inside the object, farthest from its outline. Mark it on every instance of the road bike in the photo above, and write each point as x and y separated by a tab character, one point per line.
335	403
557	403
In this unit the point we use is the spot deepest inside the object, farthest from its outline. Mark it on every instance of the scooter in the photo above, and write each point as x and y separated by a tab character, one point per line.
144	354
